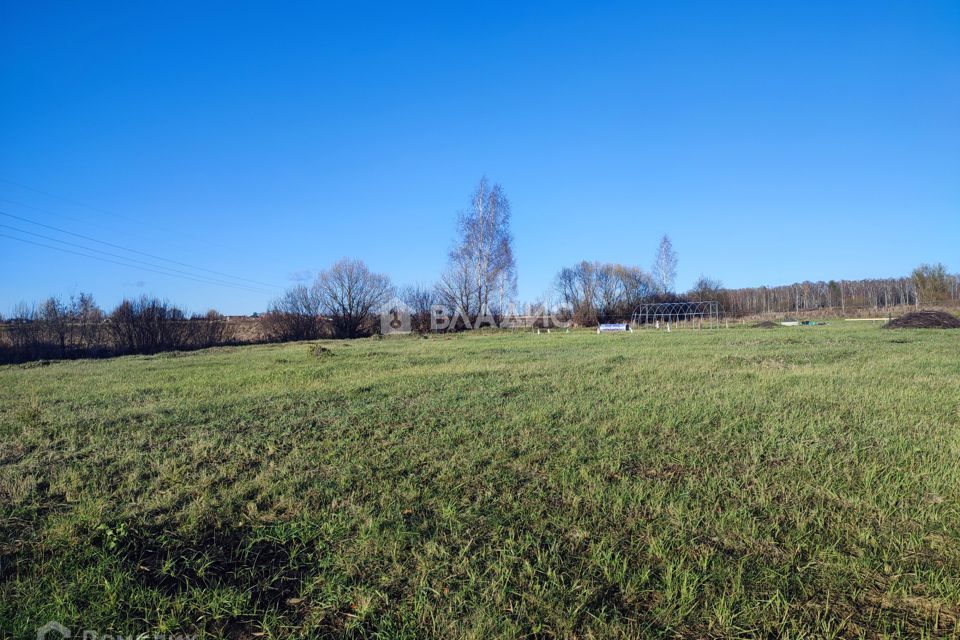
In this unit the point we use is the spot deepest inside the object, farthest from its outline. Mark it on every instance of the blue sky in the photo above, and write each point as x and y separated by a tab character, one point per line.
774	142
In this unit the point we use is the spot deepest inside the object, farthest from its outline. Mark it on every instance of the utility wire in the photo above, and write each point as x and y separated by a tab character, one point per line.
143	253
111	225
78	203
89	225
121	257
124	264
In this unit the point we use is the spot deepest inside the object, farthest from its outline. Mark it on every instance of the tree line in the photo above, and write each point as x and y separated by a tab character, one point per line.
480	280
78	328
477	287
926	285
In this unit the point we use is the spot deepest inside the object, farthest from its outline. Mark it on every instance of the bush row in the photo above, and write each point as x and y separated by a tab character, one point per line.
78	328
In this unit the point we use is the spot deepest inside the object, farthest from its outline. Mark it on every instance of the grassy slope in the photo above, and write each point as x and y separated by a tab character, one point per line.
789	481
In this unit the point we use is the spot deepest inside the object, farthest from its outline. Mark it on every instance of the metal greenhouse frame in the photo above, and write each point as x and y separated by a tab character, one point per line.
699	315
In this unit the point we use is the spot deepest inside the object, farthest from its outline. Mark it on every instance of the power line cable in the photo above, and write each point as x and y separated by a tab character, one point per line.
63	216
124	264
179	234
79	203
143	253
149	264
57	214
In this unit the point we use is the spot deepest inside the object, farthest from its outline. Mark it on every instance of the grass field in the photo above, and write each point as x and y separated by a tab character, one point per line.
789	482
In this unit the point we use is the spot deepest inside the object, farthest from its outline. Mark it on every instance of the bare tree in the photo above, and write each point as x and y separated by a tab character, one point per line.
293	316
931	283
872	293
705	289
638	287
350	294
149	325
210	329
57	329
420	300
56	318
456	288
577	287
80	329
481	277
90	333
665	266
25	332
596	291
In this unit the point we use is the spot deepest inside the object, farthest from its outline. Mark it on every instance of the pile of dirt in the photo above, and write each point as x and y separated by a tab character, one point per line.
766	324
925	320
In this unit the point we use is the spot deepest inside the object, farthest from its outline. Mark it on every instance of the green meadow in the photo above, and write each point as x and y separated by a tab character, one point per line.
742	482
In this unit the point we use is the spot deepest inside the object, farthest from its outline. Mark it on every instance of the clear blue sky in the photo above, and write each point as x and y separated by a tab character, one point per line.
774	142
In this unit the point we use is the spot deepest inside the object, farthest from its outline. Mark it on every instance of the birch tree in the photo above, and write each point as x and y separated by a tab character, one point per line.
665	266
482	277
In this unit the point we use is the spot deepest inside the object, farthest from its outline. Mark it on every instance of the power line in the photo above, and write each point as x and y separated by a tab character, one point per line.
53	213
143	262
143	253
180	234
126	264
78	203
62	216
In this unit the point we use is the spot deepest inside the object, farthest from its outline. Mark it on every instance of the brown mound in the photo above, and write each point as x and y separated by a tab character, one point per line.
925	320
766	324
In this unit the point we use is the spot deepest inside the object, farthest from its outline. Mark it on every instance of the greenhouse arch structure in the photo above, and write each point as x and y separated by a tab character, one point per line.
698	315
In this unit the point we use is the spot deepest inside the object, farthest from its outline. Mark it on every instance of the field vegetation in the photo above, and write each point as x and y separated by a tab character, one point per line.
778	482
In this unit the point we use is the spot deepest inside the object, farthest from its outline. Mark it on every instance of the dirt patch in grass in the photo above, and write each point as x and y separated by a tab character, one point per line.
270	570
925	320
634	469
766	324
917	612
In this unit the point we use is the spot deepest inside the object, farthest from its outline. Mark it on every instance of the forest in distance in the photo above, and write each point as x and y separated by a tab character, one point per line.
480	280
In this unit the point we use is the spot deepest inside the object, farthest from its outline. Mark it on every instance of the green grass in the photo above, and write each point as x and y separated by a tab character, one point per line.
741	482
